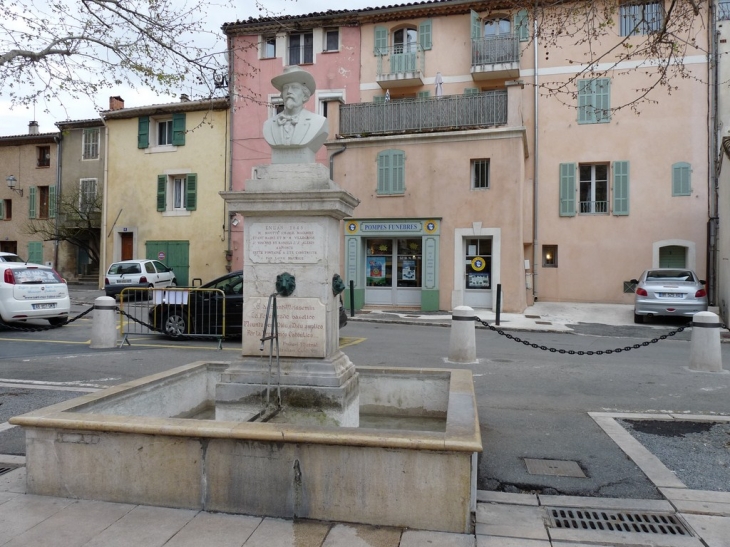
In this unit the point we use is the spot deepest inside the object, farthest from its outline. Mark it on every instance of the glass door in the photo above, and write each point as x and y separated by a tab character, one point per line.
478	273
393	271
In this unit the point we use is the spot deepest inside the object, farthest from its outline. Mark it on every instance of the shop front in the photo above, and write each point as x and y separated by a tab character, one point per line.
393	262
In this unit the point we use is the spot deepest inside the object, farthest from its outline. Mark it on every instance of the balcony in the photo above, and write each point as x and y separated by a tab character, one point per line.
495	57
400	66
446	113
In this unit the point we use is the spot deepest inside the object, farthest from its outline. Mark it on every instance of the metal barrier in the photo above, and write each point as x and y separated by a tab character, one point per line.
178	312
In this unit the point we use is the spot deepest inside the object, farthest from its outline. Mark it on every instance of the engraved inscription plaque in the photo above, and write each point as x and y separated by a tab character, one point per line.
286	243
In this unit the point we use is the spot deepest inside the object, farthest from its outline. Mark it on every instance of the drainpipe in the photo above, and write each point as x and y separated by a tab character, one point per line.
332	160
714	161
104	208
535	249
58	141
227	217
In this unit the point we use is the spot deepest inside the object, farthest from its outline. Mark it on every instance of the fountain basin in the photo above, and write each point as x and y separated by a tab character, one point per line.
139	443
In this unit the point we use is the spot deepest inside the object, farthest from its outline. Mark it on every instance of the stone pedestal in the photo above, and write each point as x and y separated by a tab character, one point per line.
292	215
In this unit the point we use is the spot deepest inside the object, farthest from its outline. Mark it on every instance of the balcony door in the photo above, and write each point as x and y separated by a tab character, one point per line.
405	49
393	271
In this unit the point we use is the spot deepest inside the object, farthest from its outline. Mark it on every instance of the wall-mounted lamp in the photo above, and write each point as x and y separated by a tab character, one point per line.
234	221
12	181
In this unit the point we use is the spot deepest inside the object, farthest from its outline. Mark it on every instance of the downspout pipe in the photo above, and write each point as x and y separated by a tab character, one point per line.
104	208
58	140
714	161
332	160
535	175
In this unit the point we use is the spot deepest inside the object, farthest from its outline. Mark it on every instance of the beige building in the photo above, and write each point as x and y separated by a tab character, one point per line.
166	165
28	189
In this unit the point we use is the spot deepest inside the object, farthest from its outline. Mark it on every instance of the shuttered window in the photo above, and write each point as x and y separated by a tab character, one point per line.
178	129
594	100
52	202
35	252
567	189
621	188
681	179
424	34
32	202
476	26
143	132
471	91
522	25
191	192
391	172
381	41
161	192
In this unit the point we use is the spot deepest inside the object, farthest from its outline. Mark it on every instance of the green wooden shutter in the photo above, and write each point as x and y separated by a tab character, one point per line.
52	202
35	252
161	192
681	179
384	172
522	22
178	129
398	172
424	34
381	41
585	101
621	188
143	132
2	209
191	191
476	26
602	100
567	189
379	100
471	91
31	202
424	94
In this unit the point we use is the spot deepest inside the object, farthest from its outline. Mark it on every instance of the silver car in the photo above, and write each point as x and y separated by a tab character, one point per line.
669	292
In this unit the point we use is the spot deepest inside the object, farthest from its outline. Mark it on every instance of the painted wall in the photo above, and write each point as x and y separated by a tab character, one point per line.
131	192
723	132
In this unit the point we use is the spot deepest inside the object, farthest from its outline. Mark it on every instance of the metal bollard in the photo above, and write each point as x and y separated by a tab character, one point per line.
462	343
104	328
705	352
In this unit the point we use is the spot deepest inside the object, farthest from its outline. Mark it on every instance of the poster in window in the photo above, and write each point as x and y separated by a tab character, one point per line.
477	281
376	267
408	273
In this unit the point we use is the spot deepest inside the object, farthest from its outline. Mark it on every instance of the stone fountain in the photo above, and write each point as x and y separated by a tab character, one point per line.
202	436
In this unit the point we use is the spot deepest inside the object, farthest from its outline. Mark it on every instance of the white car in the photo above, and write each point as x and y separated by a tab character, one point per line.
32	291
139	274
10	257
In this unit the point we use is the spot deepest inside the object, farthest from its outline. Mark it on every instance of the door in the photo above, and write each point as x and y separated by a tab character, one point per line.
478	272
175	255
127	246
673	256
393	271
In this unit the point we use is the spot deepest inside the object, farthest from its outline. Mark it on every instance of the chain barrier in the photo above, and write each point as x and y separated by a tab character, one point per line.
581	352
49	327
128	316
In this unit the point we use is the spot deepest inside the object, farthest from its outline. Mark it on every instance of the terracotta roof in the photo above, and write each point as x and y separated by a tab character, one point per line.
71	124
220	103
39	138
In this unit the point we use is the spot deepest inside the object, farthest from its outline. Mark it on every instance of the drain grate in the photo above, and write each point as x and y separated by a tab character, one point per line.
4	470
617	521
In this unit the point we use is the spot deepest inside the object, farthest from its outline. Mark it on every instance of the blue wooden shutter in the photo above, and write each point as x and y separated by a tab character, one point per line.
398	172
602	100
621	188
476	26
567	189
31	202
424	34
161	192
384	163
52	202
191	191
381	41
681	181
35	252
178	129
522	22
143	132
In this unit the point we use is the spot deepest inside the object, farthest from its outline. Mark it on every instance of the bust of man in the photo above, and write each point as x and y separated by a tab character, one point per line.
295	128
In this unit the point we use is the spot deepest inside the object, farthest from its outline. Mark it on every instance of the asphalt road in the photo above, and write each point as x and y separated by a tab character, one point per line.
532	403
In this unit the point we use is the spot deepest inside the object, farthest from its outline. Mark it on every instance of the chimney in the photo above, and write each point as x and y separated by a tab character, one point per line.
116	103
33	128
184	98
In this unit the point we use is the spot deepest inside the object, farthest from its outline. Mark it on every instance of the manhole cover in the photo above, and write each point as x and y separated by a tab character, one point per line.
557	468
616	521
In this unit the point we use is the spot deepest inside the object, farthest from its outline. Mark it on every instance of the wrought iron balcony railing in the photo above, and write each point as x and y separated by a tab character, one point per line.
446	113
494	50
401	60
593	207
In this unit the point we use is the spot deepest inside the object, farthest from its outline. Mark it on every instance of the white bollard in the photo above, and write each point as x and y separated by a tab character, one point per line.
462	344
104	328
705	352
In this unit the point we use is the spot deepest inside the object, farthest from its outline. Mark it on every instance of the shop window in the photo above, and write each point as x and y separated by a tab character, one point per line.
478	266
550	256
383	254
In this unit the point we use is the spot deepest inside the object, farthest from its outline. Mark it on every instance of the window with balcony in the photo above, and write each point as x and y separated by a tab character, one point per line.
43	156
391	172
90	144
594	100
301	48
637	18
592	186
403	47
480	174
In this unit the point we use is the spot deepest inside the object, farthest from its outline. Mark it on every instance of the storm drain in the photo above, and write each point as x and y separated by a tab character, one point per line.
616	521
4	470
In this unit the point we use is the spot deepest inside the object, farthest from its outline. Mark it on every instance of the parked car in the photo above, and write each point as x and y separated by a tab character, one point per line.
670	292
140	274
32	291
202	313
10	257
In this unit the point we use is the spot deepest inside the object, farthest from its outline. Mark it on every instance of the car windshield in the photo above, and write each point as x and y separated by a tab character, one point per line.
11	258
121	269
36	276
669	275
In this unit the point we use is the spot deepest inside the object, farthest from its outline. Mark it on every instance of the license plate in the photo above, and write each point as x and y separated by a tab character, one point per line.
670	295
44	306
124	281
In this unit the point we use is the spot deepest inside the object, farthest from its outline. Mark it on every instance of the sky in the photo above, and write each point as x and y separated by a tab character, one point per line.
15	121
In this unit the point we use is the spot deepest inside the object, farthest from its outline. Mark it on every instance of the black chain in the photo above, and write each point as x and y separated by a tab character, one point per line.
49	327
581	352
151	327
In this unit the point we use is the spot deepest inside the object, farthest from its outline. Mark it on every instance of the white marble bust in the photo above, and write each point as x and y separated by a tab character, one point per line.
295	130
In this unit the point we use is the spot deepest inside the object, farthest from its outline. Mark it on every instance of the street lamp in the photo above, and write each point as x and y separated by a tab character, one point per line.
12	181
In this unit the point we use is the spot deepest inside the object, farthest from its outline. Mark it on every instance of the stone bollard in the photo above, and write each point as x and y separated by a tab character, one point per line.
462	344
104	329
705	352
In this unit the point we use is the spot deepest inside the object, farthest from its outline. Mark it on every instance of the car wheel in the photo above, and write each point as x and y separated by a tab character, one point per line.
175	324
57	321
638	318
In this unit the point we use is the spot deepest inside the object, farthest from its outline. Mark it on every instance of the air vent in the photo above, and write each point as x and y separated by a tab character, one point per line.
616	521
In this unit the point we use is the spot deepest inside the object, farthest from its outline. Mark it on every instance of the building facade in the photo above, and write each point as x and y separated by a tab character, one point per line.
166	165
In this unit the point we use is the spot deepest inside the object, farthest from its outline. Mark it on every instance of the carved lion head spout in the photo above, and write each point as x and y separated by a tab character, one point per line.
285	284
